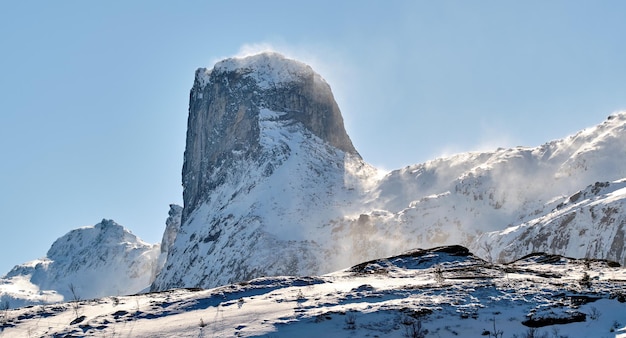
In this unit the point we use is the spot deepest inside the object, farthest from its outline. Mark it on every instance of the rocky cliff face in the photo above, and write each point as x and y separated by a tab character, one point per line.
224	114
266	151
172	228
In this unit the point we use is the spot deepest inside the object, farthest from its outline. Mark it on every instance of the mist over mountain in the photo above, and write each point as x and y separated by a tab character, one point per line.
274	186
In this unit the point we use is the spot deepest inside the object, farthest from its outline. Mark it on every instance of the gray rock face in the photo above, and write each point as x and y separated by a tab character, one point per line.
224	108
172	227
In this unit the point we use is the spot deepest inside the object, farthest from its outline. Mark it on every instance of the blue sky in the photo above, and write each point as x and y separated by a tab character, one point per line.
93	95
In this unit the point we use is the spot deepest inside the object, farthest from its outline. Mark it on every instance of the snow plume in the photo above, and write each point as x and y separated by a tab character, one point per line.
331	67
330	70
489	138
455	199
256	48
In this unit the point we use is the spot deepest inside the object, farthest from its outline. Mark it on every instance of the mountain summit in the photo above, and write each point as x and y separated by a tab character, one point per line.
266	152
231	107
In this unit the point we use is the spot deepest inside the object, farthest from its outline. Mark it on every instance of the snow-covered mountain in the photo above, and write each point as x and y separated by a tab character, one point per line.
268	166
442	292
273	185
89	262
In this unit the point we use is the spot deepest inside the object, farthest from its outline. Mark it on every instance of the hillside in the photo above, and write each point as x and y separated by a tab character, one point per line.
441	292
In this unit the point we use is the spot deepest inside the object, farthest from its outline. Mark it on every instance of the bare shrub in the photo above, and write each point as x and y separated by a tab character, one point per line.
496	333
4	308
350	321
415	329
594	313
438	273
585	281
532	333
75	300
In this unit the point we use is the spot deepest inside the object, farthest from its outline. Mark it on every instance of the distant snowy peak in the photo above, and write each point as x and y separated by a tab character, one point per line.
104	236
100	260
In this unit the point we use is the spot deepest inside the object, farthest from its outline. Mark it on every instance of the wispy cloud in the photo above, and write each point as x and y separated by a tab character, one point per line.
249	49
490	137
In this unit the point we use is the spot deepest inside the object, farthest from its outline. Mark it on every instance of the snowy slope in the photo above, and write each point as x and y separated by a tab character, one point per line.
267	218
456	199
94	261
442	292
590	223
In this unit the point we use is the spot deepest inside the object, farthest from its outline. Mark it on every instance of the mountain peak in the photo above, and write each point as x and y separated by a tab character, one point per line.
274	186
268	69
262	125
249	109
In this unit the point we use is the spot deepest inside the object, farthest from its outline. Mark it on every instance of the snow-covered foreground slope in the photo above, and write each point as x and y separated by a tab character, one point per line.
89	262
442	292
